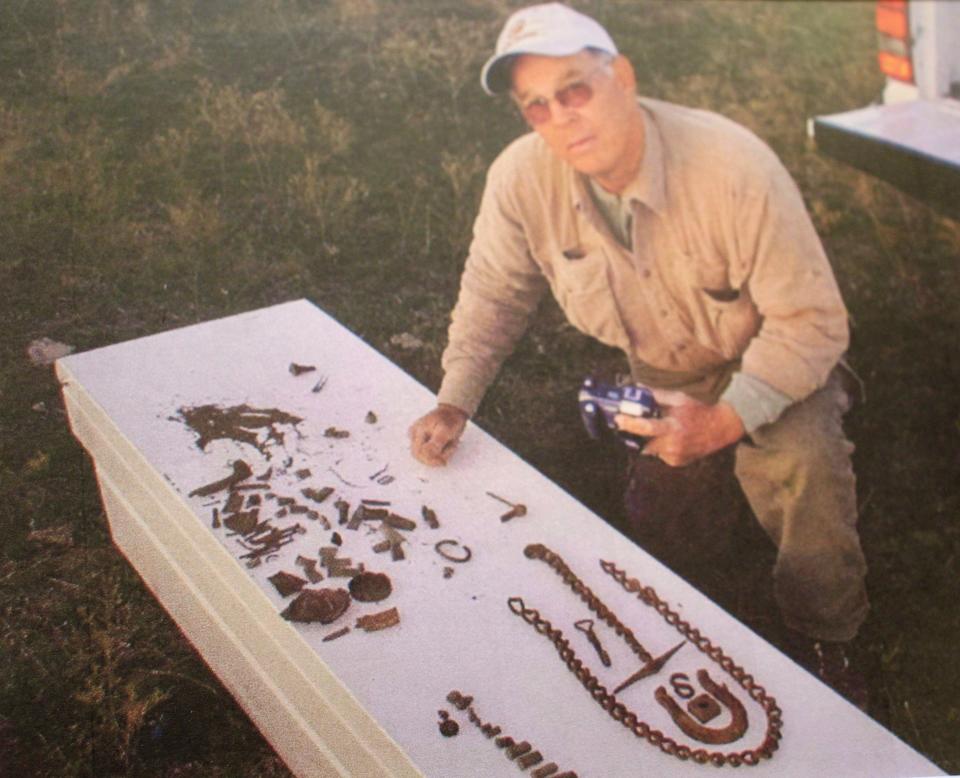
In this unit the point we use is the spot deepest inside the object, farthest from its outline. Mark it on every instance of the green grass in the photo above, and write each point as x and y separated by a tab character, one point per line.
166	162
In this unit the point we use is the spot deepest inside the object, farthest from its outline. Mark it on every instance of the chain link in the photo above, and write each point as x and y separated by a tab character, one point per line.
608	701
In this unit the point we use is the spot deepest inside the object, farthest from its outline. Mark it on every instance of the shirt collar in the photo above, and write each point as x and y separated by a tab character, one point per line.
648	186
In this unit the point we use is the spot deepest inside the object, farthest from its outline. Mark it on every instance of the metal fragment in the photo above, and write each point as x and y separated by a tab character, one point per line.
234	502
323	605
370	587
441	545
296	369
516	510
317	495
333	432
704	708
287	583
241	471
529	760
303	472
375	503
652	667
378	621
343	508
518	749
215	521
400	522
338	634
505	741
545	771
586	627
370	418
430	516
336	539
449	728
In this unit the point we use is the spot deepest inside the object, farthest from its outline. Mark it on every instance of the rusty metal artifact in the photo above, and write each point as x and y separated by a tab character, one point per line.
382	620
287	583
440	548
616	709
370	587
695	729
323	605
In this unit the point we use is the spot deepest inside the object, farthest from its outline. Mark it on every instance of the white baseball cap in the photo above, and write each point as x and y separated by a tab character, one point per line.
550	29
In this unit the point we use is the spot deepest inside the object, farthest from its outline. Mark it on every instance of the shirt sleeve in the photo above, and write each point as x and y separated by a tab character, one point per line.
782	264
756	403
500	289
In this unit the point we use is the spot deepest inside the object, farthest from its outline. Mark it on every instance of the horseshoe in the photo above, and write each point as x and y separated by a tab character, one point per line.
733	731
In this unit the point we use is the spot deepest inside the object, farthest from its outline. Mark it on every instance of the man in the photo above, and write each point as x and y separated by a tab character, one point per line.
677	236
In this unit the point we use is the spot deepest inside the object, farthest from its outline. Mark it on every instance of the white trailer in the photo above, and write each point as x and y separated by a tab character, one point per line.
911	137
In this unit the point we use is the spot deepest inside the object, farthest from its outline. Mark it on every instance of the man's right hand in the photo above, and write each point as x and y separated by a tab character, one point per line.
434	437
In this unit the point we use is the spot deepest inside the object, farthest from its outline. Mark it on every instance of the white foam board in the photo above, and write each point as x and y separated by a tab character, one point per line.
367	703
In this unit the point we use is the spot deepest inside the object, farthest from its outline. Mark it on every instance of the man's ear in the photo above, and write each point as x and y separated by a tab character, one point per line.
624	74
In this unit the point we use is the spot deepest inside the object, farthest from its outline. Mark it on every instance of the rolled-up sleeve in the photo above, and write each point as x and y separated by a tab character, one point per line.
500	288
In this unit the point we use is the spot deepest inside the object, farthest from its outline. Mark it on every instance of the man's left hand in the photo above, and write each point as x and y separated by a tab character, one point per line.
688	429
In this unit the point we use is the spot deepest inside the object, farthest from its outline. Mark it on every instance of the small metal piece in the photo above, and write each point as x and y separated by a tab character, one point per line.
516	510
375	503
457	699
303	472
343	507
586	627
400	522
490	730
338	634
545	771
449	728
309	567
215	523
323	605
296	369
681	686
383	545
448	572
439	548
317	495
443	714
234	502
333	432
370	418
287	583
652	667
518	749
396	552
430	516
529	760
318	386
253	500
385	479
336	539
501	499
380	472
505	741
381	620
241	471
370	587
704	708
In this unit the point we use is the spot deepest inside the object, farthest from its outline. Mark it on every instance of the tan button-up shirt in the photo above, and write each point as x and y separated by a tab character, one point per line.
725	265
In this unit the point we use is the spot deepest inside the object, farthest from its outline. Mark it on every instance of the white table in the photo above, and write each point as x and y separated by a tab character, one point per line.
367	704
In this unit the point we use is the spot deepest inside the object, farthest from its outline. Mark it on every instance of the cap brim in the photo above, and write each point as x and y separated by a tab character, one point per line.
495	76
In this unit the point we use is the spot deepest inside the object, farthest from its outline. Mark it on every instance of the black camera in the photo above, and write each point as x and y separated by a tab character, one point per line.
601	402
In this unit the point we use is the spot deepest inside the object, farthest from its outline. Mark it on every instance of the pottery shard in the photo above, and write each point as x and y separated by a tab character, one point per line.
323	605
370	587
287	583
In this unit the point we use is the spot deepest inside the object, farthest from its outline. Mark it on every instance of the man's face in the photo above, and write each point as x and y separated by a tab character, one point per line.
603	137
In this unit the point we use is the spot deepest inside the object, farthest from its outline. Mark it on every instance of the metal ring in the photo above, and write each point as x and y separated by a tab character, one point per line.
449	542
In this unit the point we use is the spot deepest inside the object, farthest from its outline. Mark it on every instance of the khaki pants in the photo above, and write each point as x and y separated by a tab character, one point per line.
798	479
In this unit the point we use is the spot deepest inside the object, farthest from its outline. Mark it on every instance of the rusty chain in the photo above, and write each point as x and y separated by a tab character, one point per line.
608	701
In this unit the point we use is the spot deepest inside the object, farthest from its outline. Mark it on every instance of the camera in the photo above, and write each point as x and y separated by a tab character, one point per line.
600	402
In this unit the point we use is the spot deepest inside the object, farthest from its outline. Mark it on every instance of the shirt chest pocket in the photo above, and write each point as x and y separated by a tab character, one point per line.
582	287
727	318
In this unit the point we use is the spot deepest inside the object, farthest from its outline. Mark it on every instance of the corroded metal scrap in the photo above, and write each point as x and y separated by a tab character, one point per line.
241	471
238	422
318	605
377	621
287	583
370	587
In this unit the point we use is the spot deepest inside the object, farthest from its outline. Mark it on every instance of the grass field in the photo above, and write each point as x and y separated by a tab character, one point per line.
165	162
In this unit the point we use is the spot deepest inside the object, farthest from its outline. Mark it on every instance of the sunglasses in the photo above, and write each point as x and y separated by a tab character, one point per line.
576	94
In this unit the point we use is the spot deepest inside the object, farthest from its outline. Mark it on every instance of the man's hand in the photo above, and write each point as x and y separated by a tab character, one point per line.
434	437
688	430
